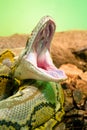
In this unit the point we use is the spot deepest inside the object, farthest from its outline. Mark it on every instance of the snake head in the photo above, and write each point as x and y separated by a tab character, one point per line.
35	61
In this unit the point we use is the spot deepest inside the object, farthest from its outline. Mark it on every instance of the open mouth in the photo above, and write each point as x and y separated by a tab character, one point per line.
39	55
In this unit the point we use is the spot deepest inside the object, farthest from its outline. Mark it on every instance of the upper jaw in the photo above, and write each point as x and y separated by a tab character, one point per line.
35	61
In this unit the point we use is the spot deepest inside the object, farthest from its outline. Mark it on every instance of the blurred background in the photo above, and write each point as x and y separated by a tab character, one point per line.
21	16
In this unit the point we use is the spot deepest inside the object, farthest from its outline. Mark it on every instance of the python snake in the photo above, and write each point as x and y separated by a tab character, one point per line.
38	102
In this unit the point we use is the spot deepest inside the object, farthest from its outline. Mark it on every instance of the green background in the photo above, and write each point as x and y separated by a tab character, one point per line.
20	16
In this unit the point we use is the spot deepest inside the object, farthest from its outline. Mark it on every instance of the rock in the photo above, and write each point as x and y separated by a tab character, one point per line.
69	53
70	47
78	98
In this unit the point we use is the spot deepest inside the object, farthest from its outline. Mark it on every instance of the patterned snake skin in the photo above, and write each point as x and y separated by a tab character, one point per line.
38	103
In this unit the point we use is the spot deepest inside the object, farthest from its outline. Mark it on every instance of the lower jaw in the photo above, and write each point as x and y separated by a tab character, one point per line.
26	70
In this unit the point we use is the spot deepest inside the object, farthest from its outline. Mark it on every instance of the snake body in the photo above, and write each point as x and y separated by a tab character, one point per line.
31	107
38	103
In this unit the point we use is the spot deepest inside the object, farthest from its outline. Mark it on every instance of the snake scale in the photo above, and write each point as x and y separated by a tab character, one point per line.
38	100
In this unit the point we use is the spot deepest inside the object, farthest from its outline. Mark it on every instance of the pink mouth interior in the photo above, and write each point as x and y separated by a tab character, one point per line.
45	62
40	53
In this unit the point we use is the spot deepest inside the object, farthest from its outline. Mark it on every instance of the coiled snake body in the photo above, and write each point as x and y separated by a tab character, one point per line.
38	102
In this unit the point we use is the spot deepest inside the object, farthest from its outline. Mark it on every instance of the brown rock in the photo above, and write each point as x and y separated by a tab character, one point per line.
70	47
